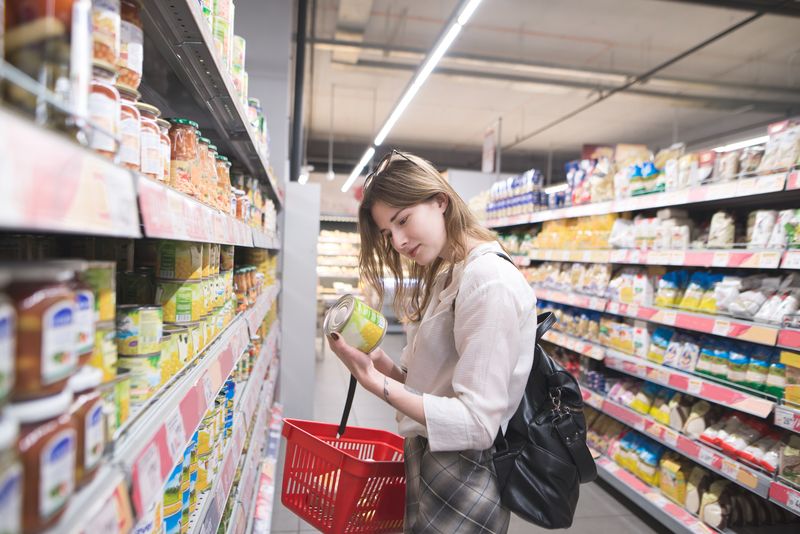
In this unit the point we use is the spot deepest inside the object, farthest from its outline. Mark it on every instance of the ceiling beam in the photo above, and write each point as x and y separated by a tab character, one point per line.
408	54
351	22
740	104
789	8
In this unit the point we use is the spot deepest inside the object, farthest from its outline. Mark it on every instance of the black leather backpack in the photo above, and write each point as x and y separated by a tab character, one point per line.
542	458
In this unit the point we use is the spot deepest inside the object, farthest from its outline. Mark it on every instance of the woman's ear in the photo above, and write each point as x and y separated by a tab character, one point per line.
442	201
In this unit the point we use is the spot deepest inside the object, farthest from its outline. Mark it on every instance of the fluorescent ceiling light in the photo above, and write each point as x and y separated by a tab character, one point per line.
743	144
357	170
467	12
415	86
556	188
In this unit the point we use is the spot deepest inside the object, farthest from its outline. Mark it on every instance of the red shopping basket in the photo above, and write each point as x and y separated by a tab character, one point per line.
352	484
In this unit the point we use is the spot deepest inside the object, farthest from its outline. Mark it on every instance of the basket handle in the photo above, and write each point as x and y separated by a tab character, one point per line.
351	391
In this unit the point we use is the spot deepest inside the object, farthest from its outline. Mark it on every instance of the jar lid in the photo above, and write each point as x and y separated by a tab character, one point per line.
9	431
148	109
205	140
185	122
86	378
162	123
127	92
39	273
104	67
40	409
223	158
213	147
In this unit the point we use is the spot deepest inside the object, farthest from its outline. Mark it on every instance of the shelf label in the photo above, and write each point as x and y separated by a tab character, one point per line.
176	435
633	310
669	317
721	328
787	418
635	256
677	257
670	437
148	473
730	469
619	256
695	386
793	501
707	456
791	260
769	260
721	258
208	390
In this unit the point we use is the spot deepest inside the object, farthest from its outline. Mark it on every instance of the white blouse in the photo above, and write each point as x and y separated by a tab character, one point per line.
471	367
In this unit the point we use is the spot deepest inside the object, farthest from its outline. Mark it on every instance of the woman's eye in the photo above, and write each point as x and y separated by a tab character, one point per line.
403	221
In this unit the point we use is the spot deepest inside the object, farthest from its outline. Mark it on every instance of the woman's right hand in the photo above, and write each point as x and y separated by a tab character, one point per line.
381	361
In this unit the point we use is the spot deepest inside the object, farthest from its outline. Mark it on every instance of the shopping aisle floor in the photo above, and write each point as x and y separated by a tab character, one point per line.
600	508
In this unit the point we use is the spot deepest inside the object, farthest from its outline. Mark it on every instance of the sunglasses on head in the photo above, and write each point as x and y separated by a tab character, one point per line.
383	164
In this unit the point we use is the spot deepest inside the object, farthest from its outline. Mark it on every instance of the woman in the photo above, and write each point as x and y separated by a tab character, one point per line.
471	329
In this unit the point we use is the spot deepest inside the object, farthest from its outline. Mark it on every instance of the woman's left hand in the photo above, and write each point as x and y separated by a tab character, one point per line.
358	363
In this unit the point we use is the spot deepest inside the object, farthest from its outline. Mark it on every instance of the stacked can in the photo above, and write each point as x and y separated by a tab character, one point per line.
222	27
139	330
173	501
238	72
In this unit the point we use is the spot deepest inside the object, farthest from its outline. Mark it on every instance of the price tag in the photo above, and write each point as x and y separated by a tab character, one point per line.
769	260
695	386
669	318
106	519
787	419
587	256
208	390
635	256
633	310
721	328
793	501
148	473
677	257
176	434
791	260
670	437
720	258
707	457
619	256
661	375
730	469
638	424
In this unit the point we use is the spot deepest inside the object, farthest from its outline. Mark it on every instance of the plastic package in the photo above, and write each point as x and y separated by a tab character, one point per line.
679	407
687	359
727	166
674	349
760	225
738	363
659	343
670	287
721	232
697	484
698	420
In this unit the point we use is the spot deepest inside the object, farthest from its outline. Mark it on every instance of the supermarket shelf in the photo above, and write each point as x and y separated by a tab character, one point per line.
787	417
571	299
694	385
211	503
708	324
150	445
86	513
262	240
256	314
169	214
750	479
72	190
587	348
260	517
338	277
520	260
338	219
192	82
338	243
666	512
793	180
743	259
785	496
745	187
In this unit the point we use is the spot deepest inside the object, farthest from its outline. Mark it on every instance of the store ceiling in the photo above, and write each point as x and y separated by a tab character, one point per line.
531	62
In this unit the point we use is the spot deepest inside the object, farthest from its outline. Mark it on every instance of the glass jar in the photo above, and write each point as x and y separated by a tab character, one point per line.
104	110
131	51
44	41
152	160
87	416
183	140
166	148
8	330
84	308
223	181
106	30
130	126
205	187
239	209
46	445
46	348
10	477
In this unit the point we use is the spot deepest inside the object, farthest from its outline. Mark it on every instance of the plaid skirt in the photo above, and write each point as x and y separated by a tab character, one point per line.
451	492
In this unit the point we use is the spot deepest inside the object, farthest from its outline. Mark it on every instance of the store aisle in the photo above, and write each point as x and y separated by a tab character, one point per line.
598	510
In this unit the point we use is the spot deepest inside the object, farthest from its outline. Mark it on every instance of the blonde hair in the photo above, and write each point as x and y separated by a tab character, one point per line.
407	180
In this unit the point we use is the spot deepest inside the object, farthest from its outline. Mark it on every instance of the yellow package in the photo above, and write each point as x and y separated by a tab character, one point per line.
672	479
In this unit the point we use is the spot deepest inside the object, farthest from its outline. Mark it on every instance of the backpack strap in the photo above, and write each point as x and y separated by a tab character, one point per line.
574	442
